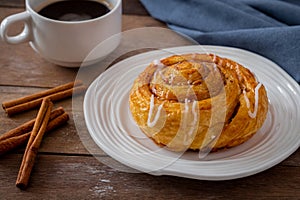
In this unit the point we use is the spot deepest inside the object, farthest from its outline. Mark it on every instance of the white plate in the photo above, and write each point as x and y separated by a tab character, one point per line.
110	124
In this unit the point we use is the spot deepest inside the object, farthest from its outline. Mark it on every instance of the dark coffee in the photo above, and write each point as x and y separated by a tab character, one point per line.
78	10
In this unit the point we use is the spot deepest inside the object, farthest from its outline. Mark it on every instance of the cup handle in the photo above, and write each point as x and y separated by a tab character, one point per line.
24	36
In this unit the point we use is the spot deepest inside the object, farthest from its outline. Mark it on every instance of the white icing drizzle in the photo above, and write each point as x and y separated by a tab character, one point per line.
156	117
167	94
215	67
154	90
159	67
188	91
214	58
187	136
194	56
256	96
172	78
186	106
154	76
184	122
238	72
156	62
195	113
161	74
246	99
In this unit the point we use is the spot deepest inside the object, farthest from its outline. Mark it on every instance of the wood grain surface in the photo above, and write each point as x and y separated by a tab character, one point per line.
65	168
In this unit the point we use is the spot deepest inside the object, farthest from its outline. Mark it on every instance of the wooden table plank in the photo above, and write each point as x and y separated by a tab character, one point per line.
12	3
84	177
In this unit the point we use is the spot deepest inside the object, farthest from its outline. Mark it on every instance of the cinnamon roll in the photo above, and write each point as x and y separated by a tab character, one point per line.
198	101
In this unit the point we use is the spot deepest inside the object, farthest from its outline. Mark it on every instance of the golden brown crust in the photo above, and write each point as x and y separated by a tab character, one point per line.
197	101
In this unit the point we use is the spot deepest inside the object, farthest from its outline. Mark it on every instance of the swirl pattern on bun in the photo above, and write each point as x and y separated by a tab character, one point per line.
198	101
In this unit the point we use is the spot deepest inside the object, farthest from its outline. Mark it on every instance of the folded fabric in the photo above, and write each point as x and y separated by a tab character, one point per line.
270	28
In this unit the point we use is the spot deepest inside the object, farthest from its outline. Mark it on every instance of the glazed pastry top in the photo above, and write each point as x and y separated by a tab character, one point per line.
190	100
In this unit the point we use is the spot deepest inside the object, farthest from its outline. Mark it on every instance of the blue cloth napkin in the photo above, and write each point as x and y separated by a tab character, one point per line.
270	28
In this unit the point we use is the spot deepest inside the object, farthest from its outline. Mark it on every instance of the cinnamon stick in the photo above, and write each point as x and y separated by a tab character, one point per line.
18	136
34	142
26	127
13	142
41	94
58	121
35	100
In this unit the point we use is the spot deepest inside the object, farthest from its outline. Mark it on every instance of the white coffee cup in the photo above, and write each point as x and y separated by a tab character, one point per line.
65	43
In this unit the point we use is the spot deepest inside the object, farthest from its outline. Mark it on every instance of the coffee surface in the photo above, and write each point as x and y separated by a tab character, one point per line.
74	10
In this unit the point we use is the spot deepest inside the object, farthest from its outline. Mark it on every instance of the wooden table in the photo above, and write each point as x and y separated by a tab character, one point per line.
64	169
